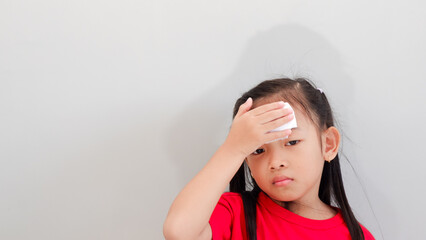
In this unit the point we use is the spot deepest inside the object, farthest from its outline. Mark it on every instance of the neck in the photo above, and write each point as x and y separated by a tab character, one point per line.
314	209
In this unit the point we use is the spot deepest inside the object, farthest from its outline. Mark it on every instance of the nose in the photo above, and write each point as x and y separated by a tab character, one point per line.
277	159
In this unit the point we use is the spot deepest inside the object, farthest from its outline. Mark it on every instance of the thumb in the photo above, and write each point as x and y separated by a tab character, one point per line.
245	107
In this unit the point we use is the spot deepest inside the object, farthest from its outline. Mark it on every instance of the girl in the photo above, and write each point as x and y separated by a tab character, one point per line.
279	189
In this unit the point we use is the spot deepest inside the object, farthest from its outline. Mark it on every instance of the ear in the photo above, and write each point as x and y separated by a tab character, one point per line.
330	143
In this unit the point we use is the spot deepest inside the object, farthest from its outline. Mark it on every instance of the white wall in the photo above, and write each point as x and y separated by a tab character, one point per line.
107	108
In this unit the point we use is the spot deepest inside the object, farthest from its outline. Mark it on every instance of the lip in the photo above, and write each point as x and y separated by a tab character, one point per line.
281	180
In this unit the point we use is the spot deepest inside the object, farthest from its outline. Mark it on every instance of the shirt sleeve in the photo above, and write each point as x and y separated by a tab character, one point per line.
221	219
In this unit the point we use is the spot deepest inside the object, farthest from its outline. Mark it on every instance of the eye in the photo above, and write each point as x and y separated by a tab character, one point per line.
258	151
292	143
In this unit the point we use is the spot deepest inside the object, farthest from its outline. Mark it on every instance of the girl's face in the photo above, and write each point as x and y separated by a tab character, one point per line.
298	158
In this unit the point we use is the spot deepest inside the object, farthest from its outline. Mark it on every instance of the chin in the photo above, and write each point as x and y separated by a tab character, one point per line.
282	197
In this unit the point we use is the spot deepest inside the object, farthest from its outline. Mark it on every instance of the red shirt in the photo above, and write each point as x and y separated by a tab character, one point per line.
274	222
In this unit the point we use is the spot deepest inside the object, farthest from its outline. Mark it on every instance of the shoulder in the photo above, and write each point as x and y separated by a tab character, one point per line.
231	200
228	209
231	196
367	234
225	221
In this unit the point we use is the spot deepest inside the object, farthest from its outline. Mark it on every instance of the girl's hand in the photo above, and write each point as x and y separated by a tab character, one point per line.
250	128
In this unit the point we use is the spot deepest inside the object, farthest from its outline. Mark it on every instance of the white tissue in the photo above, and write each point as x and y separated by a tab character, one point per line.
289	125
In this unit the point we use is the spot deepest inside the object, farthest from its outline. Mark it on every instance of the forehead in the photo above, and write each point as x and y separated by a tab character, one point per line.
304	122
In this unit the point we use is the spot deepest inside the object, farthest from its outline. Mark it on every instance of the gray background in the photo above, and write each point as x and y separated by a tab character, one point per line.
108	108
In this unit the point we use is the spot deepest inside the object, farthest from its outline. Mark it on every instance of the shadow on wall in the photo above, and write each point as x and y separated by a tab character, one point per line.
283	51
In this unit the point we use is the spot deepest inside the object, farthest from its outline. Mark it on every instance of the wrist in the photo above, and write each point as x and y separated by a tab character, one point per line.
232	151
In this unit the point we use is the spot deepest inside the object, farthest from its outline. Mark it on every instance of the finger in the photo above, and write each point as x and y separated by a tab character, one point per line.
278	122
270	137
274	115
267	107
245	107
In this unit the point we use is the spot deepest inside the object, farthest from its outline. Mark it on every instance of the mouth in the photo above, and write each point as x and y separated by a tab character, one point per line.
281	180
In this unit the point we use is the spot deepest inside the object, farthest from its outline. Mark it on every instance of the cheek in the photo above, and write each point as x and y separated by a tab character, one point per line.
309	166
316	169
256	166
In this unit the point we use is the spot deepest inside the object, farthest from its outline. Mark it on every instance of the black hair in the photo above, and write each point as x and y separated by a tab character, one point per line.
302	93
